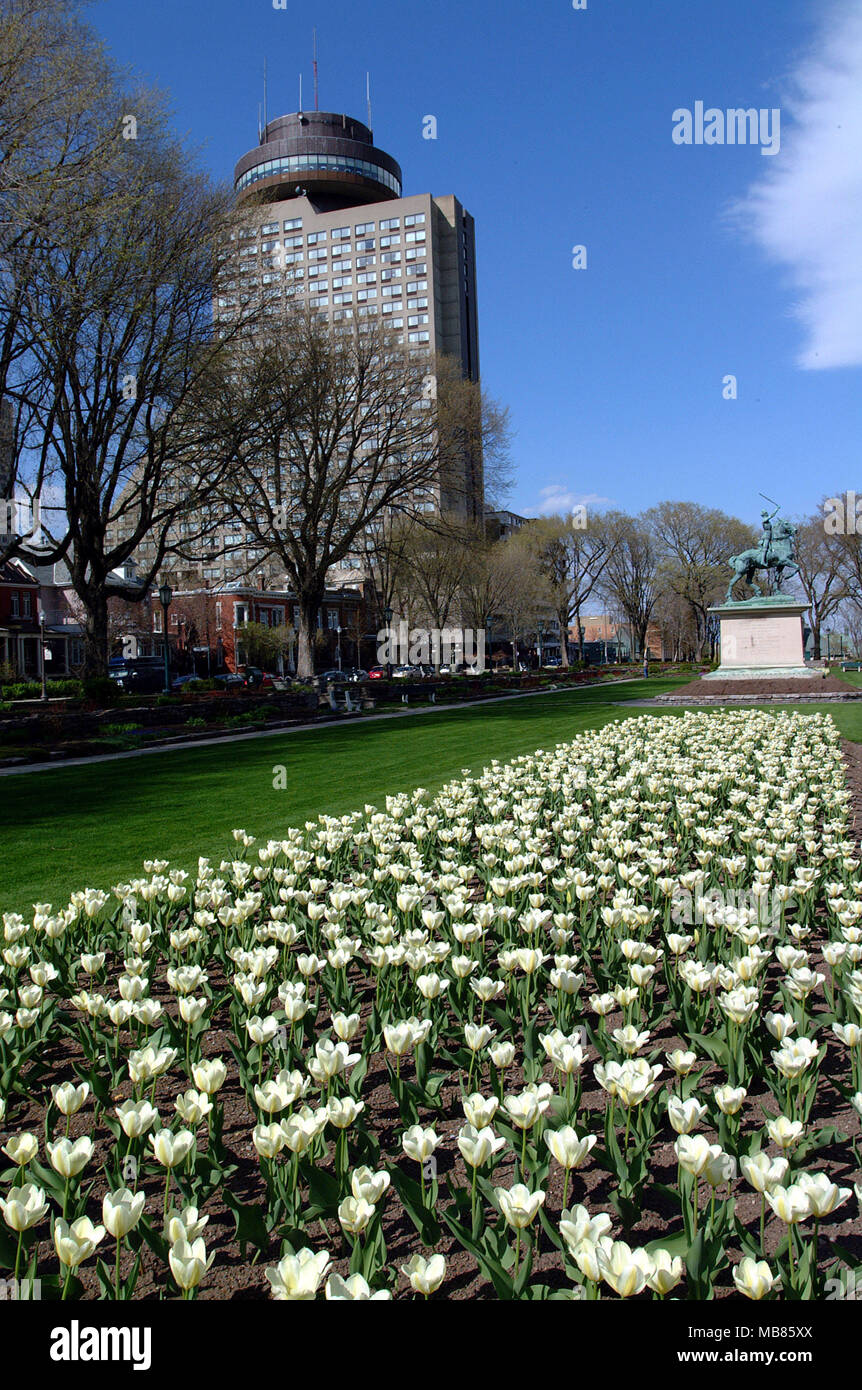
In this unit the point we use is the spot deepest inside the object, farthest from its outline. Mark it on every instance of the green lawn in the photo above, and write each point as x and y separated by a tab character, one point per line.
92	826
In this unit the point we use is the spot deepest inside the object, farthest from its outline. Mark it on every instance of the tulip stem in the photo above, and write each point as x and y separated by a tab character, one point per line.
117	1270
18	1256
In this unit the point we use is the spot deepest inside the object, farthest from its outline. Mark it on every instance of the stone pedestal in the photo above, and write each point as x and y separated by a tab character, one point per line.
761	638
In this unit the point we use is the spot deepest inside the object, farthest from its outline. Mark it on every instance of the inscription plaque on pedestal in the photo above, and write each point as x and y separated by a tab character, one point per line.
761	637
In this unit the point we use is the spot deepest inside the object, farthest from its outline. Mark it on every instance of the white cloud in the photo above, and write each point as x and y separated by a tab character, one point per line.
558	499
806	209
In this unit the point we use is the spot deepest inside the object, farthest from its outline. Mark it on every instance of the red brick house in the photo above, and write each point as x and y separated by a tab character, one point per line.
19	621
205	627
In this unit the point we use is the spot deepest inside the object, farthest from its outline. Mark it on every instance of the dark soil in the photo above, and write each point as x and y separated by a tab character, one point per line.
799	685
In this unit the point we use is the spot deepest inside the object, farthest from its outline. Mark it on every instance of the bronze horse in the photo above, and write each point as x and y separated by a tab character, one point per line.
776	554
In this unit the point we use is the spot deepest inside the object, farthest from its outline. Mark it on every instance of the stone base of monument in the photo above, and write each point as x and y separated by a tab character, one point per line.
761	639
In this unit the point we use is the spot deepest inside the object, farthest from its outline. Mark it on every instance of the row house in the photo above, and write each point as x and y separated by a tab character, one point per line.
610	639
19	621
205	627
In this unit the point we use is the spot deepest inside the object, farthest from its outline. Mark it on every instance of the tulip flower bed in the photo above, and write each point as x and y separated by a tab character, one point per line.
586	1025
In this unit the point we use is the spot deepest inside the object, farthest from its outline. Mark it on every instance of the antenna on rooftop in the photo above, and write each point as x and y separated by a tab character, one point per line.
316	88
368	96
264	95
300	94
259	126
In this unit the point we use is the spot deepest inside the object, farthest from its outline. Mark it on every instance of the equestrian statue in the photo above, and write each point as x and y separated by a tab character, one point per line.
774	551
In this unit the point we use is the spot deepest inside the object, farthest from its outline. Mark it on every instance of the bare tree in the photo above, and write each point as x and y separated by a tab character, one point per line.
338	436
697	543
823	574
117	353
572	560
631	576
475	430
59	120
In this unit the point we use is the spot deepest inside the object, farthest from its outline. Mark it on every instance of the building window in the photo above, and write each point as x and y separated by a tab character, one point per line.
218	617
315	238
340	233
332	619
364	228
26	599
417	220
390	223
422	337
16	604
293	224
157	620
270	229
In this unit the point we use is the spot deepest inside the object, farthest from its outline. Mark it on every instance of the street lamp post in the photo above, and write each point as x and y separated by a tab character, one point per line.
540	645
338	646
488	618
166	593
387	614
42	671
581	635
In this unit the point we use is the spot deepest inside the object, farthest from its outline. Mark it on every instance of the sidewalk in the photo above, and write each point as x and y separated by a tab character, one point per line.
408	712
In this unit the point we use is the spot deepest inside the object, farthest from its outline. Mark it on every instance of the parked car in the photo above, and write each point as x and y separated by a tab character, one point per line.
377	673
257	678
142	675
348	675
179	681
231	680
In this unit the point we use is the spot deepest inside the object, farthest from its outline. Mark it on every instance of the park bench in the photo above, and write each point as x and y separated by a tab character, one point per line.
851	666
348	704
420	692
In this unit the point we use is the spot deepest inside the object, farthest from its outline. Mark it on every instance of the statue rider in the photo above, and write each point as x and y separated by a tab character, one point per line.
765	543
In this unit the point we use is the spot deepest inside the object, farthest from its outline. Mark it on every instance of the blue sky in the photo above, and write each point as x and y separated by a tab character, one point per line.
555	130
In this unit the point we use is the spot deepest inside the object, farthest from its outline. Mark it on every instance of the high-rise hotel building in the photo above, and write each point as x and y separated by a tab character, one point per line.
325	222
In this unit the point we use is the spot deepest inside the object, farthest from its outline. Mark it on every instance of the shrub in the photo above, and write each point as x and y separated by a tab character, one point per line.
101	690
